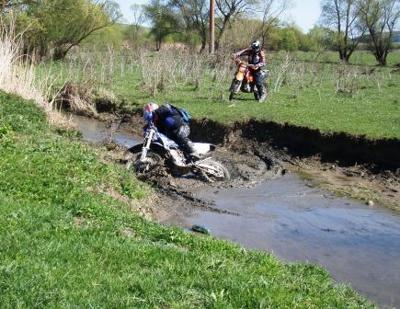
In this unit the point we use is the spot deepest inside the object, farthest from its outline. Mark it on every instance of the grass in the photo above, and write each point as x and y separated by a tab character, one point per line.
360	58
66	242
306	89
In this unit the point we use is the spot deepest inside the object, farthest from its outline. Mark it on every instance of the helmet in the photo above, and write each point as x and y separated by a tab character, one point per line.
148	111
256	46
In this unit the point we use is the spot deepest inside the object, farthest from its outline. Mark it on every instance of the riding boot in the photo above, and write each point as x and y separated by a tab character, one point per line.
259	80
182	139
262	94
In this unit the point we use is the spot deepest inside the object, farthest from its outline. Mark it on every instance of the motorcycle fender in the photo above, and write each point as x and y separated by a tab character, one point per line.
159	149
240	76
135	149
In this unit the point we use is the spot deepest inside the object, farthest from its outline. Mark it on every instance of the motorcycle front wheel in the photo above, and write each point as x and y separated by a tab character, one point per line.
152	161
235	88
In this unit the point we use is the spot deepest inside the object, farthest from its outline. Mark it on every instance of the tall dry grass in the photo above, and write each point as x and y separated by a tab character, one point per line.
18	74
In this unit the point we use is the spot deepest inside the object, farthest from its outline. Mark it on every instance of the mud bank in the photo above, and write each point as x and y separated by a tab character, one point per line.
302	142
347	165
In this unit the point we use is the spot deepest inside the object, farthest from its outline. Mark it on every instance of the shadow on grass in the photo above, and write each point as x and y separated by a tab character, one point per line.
243	99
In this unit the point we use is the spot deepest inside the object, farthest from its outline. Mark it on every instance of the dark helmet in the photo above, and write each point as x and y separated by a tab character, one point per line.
256	46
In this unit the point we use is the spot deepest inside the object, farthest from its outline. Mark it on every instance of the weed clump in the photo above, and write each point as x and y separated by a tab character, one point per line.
76	99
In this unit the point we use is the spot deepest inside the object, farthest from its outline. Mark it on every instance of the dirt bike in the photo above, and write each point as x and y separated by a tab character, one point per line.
244	80
158	148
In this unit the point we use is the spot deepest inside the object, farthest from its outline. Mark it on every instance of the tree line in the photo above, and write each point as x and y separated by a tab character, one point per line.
344	24
56	26
51	28
356	21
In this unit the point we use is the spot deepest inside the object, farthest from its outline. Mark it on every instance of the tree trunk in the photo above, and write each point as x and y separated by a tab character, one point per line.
59	53
158	45
344	58
381	57
203	46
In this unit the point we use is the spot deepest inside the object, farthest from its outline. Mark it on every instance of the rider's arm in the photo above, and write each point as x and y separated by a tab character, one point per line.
262	61
151	122
244	52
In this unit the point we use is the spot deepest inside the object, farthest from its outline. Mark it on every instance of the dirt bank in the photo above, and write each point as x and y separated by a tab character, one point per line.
347	165
302	142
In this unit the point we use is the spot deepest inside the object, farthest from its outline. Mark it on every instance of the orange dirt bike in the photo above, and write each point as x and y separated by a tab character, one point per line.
244	80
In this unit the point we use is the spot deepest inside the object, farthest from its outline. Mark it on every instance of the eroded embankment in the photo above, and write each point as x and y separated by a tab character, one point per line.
302	142
368	170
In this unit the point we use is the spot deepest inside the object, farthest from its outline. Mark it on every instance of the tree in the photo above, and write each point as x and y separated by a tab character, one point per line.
291	38
164	20
6	5
229	10
271	11
380	17
137	21
319	39
60	25
343	17
112	36
69	22
195	14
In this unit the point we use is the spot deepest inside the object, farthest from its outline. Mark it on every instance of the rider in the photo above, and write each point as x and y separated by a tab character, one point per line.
170	122
256	64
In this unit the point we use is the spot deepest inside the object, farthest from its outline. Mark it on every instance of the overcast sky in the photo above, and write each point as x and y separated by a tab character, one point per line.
304	13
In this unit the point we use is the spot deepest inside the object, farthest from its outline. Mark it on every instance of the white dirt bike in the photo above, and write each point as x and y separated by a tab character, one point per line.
157	149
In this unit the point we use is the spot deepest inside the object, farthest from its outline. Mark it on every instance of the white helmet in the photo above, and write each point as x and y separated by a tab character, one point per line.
256	45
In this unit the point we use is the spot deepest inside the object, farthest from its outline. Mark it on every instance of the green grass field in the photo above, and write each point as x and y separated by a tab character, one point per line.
361	58
66	242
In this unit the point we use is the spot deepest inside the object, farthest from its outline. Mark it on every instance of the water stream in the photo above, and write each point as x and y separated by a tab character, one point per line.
359	245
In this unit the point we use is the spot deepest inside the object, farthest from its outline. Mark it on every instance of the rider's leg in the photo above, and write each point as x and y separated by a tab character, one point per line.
181	137
259	80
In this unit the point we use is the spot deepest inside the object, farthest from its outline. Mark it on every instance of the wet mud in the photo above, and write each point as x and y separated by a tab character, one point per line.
267	206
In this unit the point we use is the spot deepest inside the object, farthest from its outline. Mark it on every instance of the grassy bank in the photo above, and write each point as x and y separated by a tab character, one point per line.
69	238
305	88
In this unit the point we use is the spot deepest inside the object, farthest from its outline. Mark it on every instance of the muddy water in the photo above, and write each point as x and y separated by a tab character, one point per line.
95	131
357	244
287	216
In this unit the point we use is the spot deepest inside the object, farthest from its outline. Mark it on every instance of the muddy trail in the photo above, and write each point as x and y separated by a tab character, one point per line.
268	206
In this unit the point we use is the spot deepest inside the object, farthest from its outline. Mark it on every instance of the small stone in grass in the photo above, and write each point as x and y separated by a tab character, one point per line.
200	229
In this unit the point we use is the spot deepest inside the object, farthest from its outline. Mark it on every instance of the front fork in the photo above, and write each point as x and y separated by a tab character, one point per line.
146	144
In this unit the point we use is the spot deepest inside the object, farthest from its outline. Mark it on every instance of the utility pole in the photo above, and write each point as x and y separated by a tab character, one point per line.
212	26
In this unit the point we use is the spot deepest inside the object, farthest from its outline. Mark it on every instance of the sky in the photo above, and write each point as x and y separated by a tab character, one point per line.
305	13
